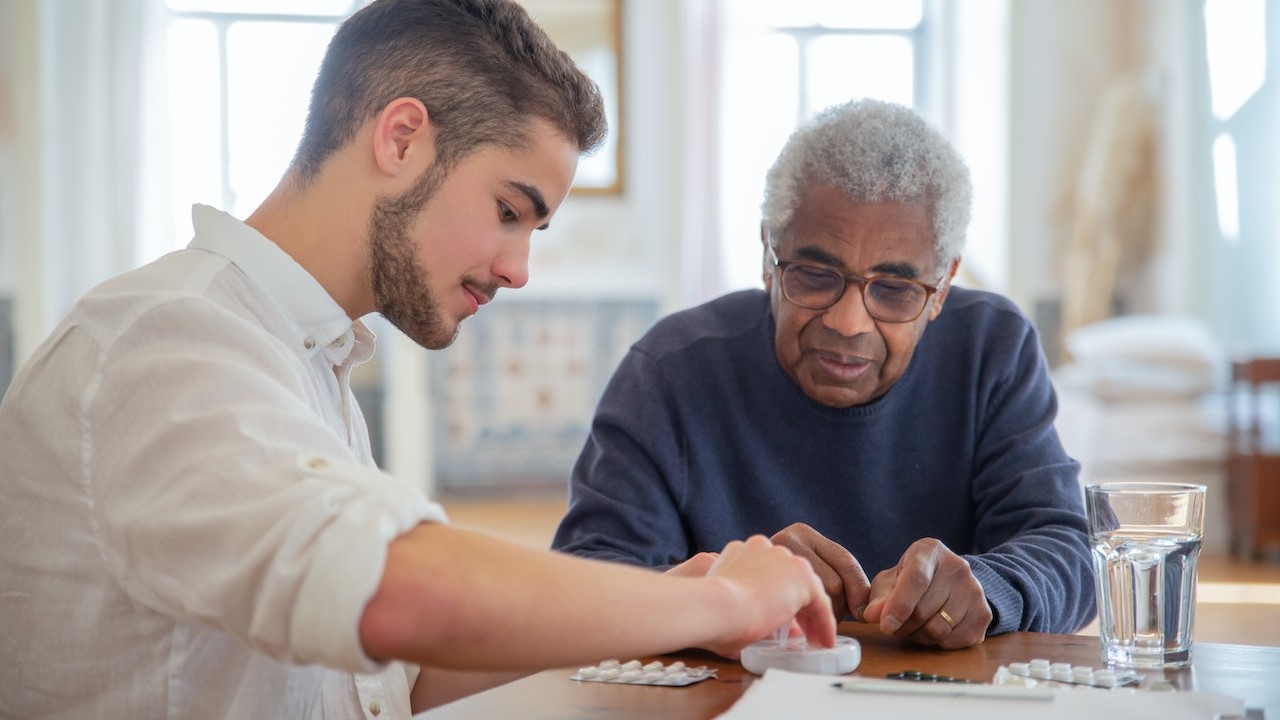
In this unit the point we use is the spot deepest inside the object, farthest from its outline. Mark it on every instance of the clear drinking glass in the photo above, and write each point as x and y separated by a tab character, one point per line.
1146	541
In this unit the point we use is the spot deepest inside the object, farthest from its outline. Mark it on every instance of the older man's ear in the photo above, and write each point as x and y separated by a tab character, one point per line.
944	288
765	266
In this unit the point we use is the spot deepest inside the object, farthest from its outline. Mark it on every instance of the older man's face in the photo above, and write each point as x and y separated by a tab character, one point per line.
841	356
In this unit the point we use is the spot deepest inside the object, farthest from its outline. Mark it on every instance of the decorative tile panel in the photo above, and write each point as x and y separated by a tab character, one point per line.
515	394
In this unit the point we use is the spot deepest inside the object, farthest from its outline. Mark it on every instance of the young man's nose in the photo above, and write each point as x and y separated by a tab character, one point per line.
511	267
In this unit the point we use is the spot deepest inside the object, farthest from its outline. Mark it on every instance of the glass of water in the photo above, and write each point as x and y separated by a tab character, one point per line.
1146	541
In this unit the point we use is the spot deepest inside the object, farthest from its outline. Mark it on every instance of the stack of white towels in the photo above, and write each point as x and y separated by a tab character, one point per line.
1143	398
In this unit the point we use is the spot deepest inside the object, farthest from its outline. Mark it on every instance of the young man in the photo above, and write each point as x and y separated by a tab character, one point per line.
193	524
844	411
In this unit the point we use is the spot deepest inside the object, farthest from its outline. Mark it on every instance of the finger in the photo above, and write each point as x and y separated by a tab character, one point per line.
817	621
696	566
881	586
936	629
804	542
946	618
914	577
814	617
854	587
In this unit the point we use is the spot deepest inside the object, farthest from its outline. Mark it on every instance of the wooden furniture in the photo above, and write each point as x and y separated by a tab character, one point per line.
1247	672
1253	462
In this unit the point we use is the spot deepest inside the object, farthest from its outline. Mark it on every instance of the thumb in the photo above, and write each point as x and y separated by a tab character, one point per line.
880	589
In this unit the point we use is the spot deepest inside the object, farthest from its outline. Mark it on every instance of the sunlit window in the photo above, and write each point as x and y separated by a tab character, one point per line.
784	62
1226	187
1236	45
1236	50
236	109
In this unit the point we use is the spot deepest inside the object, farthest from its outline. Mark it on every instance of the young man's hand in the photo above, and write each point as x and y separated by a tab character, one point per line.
771	587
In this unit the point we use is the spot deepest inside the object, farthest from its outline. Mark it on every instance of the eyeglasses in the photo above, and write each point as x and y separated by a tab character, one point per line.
817	287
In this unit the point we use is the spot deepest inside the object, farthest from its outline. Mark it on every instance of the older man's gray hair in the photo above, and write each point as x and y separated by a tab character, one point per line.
873	151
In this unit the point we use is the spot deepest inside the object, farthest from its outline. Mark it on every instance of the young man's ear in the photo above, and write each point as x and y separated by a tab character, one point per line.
403	138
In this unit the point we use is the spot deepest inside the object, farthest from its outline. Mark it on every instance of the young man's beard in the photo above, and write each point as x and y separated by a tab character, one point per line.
400	290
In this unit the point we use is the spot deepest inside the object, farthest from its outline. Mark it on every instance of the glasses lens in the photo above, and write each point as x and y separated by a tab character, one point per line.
812	286
894	300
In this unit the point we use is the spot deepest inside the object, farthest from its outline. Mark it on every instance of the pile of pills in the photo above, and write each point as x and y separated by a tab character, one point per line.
1040	671
633	672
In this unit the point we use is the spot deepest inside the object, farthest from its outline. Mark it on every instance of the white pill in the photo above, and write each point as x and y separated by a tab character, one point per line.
1104	678
629	675
676	666
1022	669
653	666
610	674
607	664
631	665
1082	674
588	671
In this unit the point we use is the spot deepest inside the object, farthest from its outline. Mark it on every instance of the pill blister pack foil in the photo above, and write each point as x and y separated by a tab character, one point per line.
633	672
1040	672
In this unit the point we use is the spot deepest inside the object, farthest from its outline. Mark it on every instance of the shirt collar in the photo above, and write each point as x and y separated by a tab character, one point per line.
321	324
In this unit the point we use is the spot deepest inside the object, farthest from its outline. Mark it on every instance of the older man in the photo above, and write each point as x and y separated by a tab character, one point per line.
843	411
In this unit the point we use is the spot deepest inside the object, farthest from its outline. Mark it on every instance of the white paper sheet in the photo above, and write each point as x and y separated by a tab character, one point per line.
781	694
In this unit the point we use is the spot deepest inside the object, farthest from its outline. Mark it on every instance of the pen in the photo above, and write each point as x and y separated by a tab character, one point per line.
900	687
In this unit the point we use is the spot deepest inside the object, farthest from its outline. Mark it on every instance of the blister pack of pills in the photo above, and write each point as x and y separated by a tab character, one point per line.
633	672
1040	672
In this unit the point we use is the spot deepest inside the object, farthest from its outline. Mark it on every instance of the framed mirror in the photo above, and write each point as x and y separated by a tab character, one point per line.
591	32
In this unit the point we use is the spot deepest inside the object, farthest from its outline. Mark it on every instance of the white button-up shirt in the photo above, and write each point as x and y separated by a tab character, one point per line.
191	521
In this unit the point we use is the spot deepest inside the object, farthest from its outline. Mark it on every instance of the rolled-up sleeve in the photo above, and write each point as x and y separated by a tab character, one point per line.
220	493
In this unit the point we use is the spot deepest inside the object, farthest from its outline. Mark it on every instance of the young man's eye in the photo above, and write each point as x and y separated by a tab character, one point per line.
507	213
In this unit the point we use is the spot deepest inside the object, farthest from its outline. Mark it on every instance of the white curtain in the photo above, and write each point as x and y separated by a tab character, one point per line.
702	274
82	156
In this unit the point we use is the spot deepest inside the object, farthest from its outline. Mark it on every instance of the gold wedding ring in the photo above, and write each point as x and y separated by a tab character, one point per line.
947	619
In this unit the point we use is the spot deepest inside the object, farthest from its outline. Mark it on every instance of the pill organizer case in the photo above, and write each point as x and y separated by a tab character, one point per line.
796	656
633	672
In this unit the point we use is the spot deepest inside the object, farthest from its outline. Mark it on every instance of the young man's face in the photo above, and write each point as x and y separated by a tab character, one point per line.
433	267
841	356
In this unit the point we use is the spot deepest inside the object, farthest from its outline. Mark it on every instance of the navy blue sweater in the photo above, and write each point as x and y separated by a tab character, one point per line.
701	438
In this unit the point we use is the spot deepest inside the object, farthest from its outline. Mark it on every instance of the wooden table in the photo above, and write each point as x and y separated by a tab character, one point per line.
1248	672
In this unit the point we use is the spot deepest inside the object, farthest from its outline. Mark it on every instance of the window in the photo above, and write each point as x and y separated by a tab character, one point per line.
783	62
1235	43
240	76
1240	60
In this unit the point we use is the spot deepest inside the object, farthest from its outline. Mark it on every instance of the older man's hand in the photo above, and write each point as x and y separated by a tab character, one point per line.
841	574
930	598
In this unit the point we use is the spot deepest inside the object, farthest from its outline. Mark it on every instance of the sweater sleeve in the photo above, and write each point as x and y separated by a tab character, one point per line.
1032	556
626	488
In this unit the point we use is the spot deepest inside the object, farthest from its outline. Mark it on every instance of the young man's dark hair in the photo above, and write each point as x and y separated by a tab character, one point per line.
481	67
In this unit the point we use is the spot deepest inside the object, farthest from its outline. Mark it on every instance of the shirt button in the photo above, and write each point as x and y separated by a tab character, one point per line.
317	463
340	342
309	343
375	709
